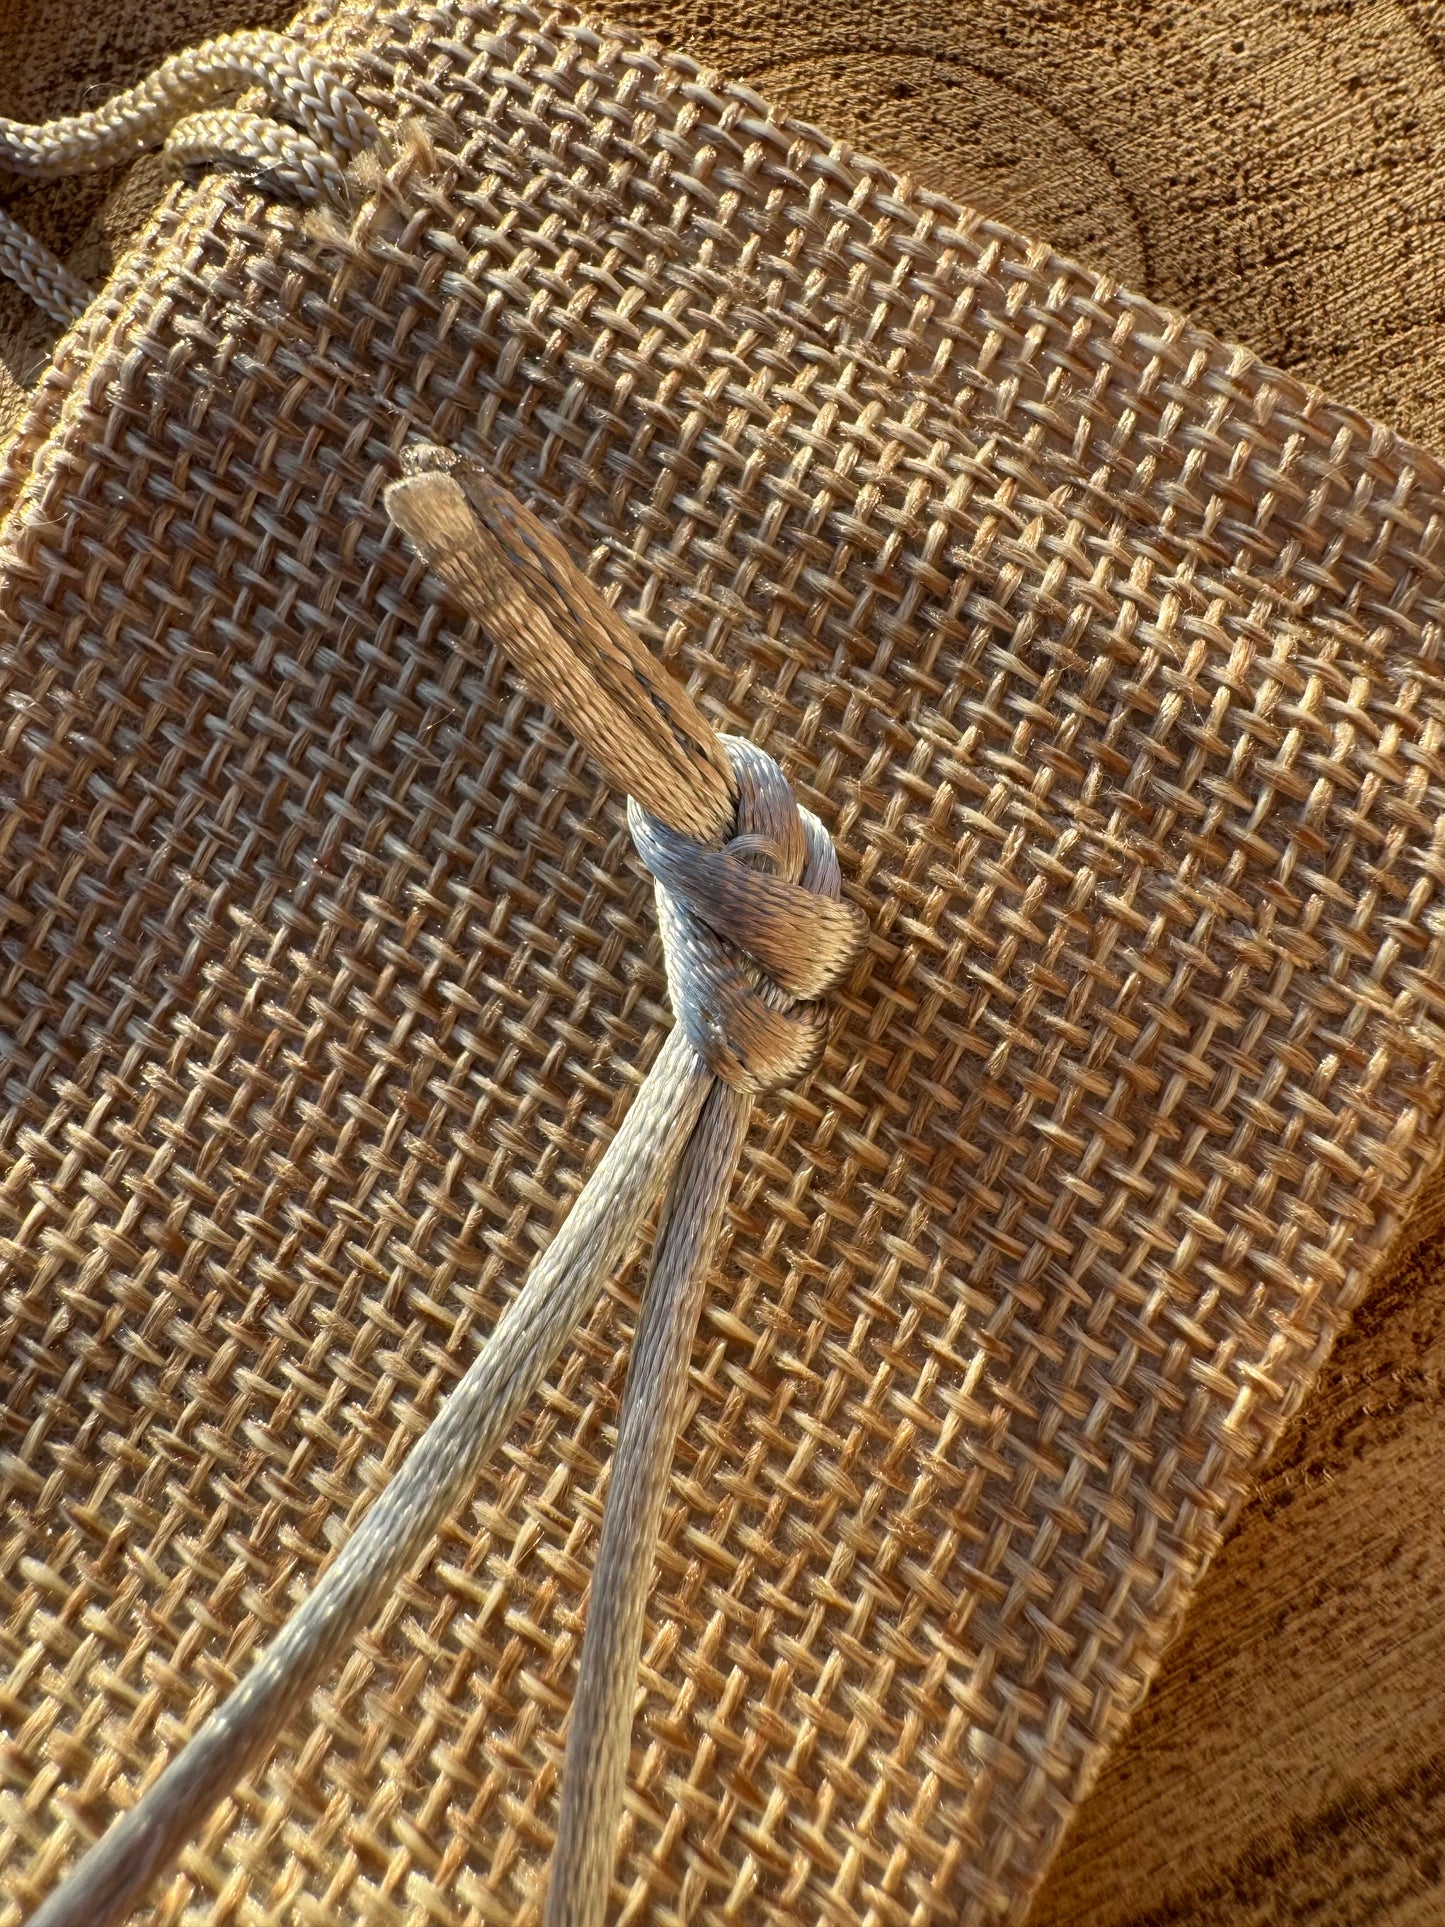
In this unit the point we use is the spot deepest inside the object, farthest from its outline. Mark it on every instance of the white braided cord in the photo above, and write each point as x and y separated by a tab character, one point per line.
48	282
273	155
319	123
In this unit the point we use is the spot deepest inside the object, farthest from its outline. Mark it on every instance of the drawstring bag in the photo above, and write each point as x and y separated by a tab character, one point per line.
332	978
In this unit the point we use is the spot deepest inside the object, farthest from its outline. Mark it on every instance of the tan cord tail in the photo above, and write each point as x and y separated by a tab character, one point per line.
438	1473
512	573
598	1738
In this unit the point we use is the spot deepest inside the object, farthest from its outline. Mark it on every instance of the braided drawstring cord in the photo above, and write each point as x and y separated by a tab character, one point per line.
46	279
316	124
753	930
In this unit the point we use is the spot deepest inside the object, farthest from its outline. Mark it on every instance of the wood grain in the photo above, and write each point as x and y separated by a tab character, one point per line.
1270	167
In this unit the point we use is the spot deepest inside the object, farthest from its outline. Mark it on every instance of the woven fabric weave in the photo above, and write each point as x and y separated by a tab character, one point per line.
1110	656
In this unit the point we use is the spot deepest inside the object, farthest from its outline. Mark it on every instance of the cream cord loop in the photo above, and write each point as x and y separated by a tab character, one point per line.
31	266
747	887
316	124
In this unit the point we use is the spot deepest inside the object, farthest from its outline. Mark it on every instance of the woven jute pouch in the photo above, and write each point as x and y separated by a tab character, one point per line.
1113	661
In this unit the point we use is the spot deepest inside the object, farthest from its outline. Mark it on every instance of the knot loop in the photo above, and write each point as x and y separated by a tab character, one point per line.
751	928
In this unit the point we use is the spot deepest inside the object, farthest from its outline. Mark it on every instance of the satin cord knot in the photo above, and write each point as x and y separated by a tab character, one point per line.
746	944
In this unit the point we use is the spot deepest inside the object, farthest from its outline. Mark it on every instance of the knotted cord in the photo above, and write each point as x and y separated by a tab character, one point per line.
747	888
750	1039
742	943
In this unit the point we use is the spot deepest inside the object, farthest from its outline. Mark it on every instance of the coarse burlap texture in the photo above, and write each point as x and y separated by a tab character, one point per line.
1110	655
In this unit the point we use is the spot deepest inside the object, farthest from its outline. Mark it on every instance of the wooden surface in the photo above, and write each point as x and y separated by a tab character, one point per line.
1274	169
1289	1764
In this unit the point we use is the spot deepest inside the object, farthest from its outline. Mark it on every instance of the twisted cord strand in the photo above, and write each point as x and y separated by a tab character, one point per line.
48	282
298	85
301	154
600	1730
289	162
737	1033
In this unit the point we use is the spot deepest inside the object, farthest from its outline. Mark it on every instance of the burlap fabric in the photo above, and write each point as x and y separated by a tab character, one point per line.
1109	654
